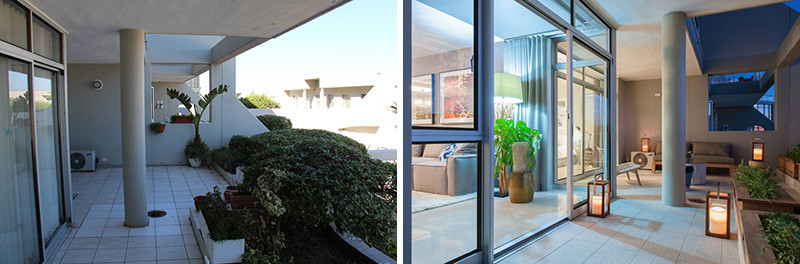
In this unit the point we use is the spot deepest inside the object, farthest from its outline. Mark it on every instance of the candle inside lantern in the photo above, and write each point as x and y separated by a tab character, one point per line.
597	204
758	154
717	219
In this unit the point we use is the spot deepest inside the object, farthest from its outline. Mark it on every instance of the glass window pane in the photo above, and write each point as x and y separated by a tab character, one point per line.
590	25
13	24
47	150
442	47
46	40
590	99
560	7
19	236
731	100
524	49
444	202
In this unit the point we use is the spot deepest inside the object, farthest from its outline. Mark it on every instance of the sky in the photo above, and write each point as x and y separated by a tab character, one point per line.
358	37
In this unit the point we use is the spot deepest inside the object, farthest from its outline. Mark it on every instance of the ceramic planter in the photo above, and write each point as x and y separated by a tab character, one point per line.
183	120
225	251
195	162
520	187
198	200
239	199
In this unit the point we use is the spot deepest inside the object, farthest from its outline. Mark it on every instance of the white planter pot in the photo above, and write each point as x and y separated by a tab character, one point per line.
195	163
225	251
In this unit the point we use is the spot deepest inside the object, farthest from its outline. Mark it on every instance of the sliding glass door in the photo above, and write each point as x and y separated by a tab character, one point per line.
48	161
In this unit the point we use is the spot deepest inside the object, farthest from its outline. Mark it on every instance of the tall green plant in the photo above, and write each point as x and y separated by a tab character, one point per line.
758	181
507	132
203	104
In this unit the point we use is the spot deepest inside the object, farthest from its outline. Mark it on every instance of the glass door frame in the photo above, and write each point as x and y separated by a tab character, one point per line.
484	55
47	251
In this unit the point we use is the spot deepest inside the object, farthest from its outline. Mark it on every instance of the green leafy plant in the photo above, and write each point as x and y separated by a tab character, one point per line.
793	154
196	150
221	155
259	101
507	132
783	236
201	105
223	224
318	177
758	181
273	122
155	127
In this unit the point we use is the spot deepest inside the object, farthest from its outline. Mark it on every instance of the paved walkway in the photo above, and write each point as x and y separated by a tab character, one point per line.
640	229
98	234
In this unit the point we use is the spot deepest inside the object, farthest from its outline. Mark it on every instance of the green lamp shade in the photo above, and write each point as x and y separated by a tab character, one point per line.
507	87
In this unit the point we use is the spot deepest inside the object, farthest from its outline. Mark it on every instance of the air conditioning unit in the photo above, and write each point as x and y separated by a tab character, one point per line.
644	159
82	160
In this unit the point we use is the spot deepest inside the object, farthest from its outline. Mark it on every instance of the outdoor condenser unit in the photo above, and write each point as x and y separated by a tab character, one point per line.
82	160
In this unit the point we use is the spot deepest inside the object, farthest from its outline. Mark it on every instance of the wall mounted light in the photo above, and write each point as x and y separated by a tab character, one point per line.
97	84
758	149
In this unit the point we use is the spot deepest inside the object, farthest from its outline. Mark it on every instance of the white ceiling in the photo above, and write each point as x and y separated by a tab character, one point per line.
94	26
639	34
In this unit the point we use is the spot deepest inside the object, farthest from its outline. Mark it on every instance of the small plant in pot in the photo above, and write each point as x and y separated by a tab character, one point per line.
196	152
516	145
157	127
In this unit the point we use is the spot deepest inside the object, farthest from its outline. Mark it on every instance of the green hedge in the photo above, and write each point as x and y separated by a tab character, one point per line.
273	122
305	179
259	101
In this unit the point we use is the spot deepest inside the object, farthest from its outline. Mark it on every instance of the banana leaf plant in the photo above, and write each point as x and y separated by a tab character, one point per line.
507	132
201	106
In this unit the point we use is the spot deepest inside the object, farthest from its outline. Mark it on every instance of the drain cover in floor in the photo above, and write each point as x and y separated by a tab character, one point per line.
156	213
697	200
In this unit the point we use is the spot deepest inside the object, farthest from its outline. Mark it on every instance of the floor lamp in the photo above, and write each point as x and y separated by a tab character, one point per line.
507	94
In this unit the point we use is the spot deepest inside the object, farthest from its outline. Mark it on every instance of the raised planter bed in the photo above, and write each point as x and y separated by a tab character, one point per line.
359	249
226	251
232	179
787	198
789	167
754	238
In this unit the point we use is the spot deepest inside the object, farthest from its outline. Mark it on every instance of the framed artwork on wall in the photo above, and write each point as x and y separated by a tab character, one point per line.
457	100
422	98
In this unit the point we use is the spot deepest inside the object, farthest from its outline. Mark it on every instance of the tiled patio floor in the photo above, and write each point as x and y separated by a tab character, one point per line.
98	234
640	229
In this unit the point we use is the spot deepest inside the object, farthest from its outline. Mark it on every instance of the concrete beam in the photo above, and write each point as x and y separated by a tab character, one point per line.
229	47
790	48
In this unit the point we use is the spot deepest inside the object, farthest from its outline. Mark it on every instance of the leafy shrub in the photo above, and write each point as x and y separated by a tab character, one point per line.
324	178
223	224
221	155
783	236
275	122
155	127
758	181
259	101
793	154
196	150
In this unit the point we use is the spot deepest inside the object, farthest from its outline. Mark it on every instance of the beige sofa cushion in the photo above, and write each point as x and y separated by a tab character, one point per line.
716	149
696	158
430	176
434	150
416	150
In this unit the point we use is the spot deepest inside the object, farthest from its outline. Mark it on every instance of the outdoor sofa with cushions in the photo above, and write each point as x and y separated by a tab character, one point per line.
715	155
456	175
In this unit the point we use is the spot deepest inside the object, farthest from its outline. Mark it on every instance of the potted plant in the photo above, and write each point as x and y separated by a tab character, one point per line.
789	162
180	119
516	145
157	127
196	149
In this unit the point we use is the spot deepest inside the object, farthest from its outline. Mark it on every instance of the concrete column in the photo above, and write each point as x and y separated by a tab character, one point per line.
132	102
673	113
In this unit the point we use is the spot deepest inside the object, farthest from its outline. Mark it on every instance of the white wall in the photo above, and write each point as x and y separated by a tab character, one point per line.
94	116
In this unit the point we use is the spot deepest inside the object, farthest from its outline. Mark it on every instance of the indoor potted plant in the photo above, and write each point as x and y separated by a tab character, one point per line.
516	145
157	127
196	149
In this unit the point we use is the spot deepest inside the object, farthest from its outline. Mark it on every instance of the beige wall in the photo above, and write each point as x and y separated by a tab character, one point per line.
640	113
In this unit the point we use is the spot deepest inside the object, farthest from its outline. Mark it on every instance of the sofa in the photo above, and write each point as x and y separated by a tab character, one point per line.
714	154
454	174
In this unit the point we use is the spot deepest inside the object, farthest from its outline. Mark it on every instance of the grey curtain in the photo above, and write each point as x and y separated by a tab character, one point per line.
527	58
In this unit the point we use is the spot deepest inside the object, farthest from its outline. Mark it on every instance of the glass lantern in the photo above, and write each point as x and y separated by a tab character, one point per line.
645	144
599	197
718	216
758	149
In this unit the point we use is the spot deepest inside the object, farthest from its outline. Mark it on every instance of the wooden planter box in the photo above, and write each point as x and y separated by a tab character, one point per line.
787	199
754	238
789	167
226	251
